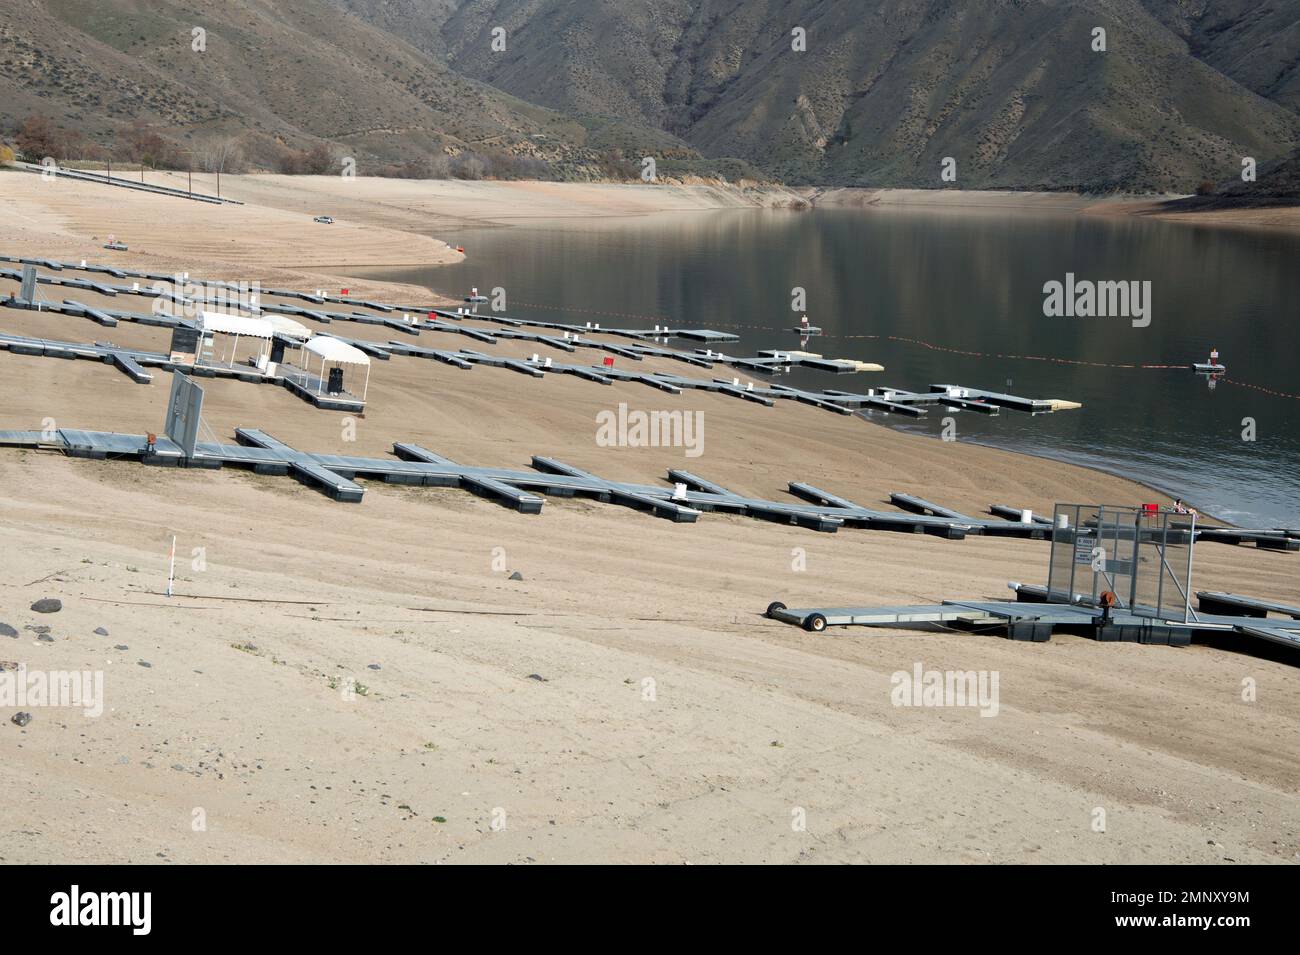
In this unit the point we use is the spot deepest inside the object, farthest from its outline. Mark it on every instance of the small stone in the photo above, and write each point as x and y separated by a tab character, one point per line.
48	605
144	663
516	576
374	666
121	646
21	719
7	631
101	631
46	638
538	677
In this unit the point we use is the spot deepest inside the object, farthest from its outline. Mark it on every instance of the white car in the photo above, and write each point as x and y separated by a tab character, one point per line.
327	220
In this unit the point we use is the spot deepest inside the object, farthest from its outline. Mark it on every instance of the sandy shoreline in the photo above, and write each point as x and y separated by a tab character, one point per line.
625	700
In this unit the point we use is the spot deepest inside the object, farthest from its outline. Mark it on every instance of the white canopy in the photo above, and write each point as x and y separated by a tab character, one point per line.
288	327
236	325
331	349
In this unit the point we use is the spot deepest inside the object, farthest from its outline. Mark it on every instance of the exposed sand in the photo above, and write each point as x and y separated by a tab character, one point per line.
751	721
982	202
1285	218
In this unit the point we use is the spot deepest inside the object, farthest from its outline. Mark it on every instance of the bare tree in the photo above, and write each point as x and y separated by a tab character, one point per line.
222	155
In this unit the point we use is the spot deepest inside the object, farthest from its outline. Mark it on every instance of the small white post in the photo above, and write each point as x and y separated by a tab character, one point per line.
171	573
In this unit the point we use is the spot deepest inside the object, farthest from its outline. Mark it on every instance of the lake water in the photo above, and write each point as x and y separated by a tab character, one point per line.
966	282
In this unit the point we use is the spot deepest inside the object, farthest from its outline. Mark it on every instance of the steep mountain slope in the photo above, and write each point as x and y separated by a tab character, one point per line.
1011	89
1255	43
296	73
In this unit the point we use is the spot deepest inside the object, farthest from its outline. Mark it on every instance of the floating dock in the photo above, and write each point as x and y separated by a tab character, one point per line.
336	476
570	337
134	363
1285	539
1036	622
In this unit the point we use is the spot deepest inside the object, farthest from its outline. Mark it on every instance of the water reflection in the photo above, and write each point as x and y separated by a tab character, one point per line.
957	297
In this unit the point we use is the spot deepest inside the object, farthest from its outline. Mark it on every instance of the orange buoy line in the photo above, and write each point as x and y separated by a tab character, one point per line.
1261	388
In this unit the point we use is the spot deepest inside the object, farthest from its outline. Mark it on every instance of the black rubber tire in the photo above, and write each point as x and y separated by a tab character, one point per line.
774	605
814	623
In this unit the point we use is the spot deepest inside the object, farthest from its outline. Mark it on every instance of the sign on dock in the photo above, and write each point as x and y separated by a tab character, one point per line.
184	411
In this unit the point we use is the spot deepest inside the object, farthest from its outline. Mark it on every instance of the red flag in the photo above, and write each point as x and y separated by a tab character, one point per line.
609	361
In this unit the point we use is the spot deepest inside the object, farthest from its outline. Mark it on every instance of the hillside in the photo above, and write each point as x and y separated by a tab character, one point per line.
1257	44
277	75
1010	89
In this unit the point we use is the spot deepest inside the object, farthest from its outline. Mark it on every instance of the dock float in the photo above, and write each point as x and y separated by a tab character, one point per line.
1036	622
336	475
1216	602
302	467
1263	538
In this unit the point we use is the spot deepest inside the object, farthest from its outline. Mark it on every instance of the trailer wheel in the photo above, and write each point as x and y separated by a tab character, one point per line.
773	606
814	622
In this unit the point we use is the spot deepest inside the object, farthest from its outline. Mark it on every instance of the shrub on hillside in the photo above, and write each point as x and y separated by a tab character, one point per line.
317	161
141	144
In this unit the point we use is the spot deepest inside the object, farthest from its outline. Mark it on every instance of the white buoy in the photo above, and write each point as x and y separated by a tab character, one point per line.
548	362
1063	521
679	491
1026	517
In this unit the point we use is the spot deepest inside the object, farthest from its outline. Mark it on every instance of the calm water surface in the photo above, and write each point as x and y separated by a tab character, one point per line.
968	282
